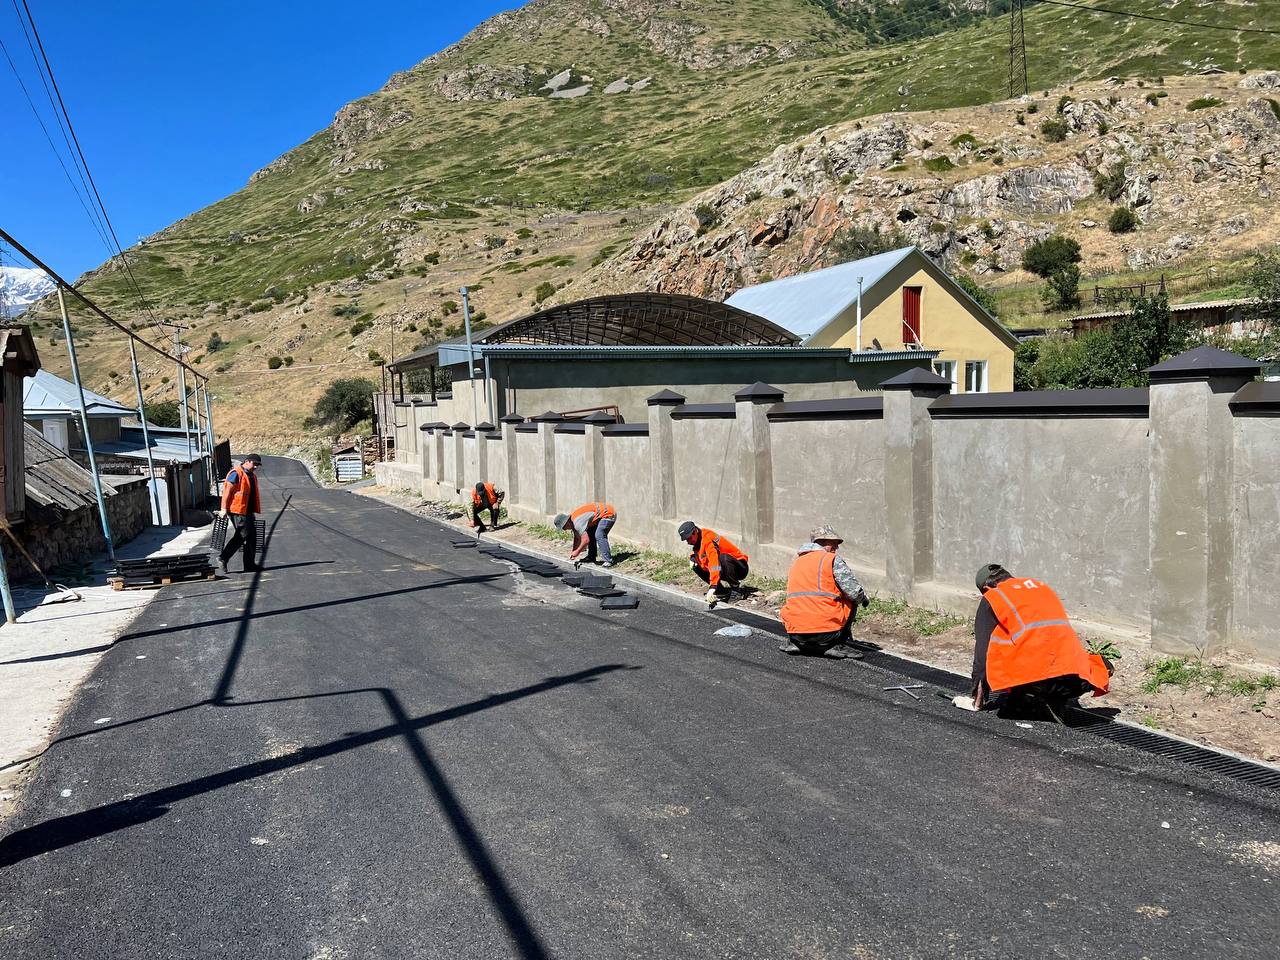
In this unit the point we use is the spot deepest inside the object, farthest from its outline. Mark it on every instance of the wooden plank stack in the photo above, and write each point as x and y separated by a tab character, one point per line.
154	572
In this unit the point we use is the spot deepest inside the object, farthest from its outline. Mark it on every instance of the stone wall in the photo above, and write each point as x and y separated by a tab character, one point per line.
1149	509
56	537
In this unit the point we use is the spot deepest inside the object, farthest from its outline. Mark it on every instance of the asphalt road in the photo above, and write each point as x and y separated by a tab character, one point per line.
384	747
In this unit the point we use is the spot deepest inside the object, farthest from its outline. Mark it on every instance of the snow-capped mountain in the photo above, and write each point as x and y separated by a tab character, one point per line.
20	287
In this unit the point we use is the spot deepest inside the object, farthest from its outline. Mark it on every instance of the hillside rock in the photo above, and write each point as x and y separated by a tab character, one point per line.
1185	176
483	81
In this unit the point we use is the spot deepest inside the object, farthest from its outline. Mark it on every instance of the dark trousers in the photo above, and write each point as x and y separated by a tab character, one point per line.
493	517
246	535
732	572
816	644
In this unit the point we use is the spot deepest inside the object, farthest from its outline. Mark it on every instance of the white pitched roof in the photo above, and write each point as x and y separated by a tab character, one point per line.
807	302
47	395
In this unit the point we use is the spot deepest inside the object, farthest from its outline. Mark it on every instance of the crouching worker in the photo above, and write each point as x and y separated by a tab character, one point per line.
715	559
590	525
823	597
486	497
1024	644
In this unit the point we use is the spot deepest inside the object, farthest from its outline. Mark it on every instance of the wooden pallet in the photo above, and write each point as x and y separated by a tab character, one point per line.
120	583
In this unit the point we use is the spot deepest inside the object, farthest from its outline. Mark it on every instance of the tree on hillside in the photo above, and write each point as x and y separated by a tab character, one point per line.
344	403
1263	284
1055	259
859	241
985	299
162	413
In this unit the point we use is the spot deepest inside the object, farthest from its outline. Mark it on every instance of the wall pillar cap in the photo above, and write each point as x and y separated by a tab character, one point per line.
511	418
920	382
600	417
759	392
1203	363
665	398
461	426
485	428
548	417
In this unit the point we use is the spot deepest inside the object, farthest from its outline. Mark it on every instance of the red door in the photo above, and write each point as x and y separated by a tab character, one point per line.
911	316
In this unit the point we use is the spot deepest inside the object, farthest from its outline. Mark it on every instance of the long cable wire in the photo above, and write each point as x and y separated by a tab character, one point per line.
93	185
1200	25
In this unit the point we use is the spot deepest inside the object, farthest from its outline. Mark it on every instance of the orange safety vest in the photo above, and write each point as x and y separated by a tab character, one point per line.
488	492
599	511
1033	640
236	491
710	547
814	601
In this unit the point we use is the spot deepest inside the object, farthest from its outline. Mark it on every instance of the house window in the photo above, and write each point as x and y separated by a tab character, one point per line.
911	318
975	376
948	370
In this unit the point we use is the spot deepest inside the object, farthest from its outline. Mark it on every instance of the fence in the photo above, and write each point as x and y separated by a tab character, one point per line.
1153	509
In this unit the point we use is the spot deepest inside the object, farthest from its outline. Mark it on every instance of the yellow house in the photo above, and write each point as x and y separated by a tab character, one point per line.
892	301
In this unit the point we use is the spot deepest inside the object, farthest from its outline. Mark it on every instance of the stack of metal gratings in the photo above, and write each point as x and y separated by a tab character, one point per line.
159	571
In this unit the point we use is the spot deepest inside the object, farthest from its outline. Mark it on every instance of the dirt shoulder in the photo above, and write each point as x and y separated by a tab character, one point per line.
1227	702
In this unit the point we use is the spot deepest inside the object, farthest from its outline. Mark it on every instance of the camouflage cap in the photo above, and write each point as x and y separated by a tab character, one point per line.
825	532
560	520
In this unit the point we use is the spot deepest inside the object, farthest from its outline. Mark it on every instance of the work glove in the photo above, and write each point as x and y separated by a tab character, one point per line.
865	600
693	564
711	595
223	514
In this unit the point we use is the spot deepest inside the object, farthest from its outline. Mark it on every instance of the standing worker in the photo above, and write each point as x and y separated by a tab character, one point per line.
240	502
1024	644
590	525
485	497
715	559
823	597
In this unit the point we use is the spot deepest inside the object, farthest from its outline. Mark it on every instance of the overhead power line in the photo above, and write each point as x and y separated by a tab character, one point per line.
48	67
36	261
1151	16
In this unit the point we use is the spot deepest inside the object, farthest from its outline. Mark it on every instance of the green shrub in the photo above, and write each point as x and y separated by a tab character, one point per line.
707	217
1204	103
979	293
966	141
543	290
274	363
1062	288
1152	99
1045	257
861	241
163	413
1275	106
939	164
214	343
288	361
1033	108
1063	102
344	403
1112	183
258	306
449	307
1122	220
1021	119
1055	131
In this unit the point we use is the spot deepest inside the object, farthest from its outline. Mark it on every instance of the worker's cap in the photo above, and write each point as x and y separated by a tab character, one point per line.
987	573
687	529
560	520
254	459
824	532
480	487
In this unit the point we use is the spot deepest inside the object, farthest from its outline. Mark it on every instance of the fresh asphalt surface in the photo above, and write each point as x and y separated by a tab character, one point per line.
385	747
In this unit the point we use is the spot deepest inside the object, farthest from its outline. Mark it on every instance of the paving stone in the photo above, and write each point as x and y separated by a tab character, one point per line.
624	602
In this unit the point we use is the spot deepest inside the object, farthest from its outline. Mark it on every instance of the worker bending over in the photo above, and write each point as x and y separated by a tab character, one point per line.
241	503
715	559
1024	644
823	597
486	497
590	525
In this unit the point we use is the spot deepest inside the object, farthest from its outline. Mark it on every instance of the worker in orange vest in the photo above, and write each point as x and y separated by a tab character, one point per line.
486	497
715	559
241	503
1024	644
823	597
590	525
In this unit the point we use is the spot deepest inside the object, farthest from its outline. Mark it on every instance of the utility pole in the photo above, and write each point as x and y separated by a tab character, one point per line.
471	362
1017	52
146	433
84	423
182	379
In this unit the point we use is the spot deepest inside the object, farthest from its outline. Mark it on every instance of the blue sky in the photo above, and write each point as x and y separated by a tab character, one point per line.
176	103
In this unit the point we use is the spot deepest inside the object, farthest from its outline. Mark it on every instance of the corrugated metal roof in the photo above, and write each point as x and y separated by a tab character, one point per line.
1173	308
458	354
47	395
807	302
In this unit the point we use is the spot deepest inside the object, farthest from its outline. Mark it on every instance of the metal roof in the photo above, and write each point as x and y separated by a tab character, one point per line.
53	479
457	353
807	302
636	319
44	395
1173	308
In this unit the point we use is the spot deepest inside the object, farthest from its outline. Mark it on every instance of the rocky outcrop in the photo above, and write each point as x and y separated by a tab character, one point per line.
483	81
275	166
364	120
972	197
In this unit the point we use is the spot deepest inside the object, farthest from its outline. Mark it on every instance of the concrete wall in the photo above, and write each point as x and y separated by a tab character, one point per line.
948	323
1156	510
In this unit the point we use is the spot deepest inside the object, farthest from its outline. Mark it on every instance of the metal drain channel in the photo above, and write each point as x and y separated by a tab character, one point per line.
1146	741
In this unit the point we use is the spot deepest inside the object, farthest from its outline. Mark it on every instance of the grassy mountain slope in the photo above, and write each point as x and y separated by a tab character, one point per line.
467	169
